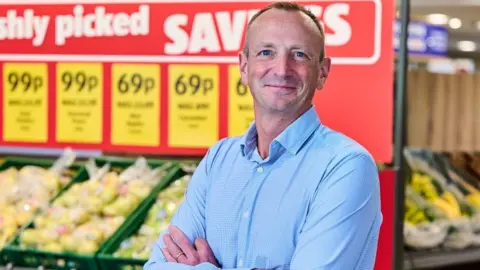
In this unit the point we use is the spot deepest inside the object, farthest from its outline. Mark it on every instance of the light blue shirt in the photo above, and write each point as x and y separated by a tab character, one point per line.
314	203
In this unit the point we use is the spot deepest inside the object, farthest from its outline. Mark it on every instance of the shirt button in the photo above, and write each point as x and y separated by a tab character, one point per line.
259	169
246	214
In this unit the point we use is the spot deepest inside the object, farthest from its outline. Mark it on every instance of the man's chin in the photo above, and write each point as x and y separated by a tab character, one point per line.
281	107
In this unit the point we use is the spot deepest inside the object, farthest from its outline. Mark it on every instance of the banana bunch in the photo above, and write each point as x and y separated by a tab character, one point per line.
413	213
470	192
443	200
418	210
448	204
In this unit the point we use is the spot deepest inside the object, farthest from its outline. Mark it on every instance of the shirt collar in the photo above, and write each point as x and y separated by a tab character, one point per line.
248	142
292	138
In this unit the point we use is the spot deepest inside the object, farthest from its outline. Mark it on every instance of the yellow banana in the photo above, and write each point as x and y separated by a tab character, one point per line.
418	217
411	213
450	198
426	179
474	199
449	211
416	182
427	187
430	192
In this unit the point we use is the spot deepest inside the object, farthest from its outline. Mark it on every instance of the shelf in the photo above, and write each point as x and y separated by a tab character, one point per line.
439	258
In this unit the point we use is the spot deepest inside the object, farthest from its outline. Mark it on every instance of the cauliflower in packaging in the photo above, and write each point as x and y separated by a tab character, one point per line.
139	245
88	213
28	190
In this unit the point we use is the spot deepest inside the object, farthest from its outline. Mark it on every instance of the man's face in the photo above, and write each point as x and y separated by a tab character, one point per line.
283	66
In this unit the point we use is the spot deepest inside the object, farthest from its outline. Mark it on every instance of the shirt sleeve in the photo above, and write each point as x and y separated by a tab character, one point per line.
342	225
189	217
202	266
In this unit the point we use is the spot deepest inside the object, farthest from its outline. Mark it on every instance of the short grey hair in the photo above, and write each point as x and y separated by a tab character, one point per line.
288	6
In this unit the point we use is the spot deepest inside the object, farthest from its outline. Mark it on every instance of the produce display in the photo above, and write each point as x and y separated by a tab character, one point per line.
89	212
442	205
139	245
28	190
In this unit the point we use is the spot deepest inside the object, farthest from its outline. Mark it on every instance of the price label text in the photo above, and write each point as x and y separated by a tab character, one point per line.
25	102
136	104
240	103
193	105
79	114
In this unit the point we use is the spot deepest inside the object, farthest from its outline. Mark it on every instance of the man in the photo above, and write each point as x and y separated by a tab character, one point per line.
290	193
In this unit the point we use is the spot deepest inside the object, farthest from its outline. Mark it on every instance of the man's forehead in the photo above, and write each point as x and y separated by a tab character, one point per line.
277	16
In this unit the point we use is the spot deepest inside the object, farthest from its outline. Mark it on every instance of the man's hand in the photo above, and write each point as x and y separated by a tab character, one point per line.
179	249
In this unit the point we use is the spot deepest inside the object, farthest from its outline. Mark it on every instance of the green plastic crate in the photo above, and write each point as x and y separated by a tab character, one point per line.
36	258
20	162
105	258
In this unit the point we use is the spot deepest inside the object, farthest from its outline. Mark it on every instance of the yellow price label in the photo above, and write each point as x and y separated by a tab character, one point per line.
25	102
136	104
240	103
193	105
79	102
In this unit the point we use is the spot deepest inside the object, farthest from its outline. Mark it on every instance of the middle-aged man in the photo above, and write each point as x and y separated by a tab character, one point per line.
290	193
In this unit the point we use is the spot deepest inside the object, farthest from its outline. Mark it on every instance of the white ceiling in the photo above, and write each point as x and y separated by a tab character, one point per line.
468	11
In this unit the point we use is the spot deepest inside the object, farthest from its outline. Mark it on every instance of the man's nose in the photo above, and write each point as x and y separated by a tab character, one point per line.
282	66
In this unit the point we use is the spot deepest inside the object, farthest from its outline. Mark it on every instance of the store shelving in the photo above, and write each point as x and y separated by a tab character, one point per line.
434	259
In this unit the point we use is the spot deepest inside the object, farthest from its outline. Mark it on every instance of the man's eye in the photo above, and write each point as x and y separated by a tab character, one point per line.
300	54
265	53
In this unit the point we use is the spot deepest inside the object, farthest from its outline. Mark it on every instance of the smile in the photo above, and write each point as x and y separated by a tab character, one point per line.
280	86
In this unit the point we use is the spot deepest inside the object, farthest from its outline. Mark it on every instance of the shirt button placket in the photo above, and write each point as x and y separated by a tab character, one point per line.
242	238
252	189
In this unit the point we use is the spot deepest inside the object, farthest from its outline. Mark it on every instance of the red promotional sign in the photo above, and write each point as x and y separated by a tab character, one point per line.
183	61
169	32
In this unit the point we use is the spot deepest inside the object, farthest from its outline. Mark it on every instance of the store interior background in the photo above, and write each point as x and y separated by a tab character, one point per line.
428	123
461	19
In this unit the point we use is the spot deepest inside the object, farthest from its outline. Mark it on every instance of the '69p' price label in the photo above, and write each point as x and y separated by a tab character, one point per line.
25	102
136	104
193	105
240	103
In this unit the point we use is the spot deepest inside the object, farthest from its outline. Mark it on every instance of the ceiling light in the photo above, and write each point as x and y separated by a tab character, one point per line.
455	23
466	46
437	18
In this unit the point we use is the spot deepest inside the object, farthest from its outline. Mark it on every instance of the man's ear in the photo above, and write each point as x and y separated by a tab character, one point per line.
242	61
323	72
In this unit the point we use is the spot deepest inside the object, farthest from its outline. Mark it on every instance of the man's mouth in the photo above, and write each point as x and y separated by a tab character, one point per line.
281	86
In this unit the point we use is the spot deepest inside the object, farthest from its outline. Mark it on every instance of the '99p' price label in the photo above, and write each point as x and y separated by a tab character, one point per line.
79	101
25	102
